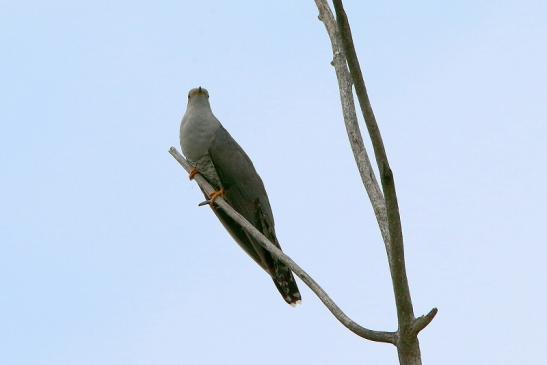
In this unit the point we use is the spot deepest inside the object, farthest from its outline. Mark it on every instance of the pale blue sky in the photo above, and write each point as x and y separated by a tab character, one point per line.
105	257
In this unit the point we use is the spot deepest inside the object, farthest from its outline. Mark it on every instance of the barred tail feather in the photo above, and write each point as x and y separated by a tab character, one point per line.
285	283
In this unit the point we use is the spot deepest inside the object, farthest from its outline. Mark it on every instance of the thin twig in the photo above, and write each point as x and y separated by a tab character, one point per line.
378	336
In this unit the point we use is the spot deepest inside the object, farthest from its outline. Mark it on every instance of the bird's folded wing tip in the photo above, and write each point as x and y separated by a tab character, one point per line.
294	304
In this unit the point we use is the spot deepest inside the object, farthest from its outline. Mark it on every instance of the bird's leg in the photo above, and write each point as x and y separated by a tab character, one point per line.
215	195
193	173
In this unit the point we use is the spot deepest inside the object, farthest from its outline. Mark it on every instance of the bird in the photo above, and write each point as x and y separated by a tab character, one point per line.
216	156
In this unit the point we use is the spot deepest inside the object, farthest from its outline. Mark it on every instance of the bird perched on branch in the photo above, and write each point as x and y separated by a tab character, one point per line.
223	163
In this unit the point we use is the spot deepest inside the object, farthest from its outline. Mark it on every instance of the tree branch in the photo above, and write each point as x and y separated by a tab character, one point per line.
340	32
352	126
405	312
421	322
378	336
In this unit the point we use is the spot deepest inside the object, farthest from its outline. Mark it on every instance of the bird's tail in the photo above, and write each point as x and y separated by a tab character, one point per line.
285	283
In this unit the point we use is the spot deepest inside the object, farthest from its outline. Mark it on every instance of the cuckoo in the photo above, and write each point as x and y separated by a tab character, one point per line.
224	164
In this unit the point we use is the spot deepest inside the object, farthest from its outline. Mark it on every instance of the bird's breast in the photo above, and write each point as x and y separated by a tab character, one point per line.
195	138
196	135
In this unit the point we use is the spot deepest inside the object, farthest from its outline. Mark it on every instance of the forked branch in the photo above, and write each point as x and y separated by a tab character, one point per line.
403	300
345	57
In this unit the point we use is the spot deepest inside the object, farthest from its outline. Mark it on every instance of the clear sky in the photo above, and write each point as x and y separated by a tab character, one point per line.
105	257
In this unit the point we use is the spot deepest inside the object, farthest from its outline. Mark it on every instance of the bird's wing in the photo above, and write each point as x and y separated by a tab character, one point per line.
238	175
245	192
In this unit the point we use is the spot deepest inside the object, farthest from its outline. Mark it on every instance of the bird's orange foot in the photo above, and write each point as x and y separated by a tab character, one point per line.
215	195
193	173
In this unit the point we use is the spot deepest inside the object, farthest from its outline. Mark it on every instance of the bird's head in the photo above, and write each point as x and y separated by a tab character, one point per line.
198	93
198	98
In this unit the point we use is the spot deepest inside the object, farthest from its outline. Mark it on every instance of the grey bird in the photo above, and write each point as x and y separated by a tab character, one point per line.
223	163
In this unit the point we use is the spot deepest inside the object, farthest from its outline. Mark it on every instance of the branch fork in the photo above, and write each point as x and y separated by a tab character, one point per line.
384	200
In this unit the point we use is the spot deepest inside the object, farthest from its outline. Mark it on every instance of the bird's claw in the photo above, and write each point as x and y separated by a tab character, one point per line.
212	197
215	195
193	173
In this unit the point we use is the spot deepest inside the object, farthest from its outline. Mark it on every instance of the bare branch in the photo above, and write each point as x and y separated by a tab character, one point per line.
421	322
378	336
352	126
405	312
344	51
408	346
